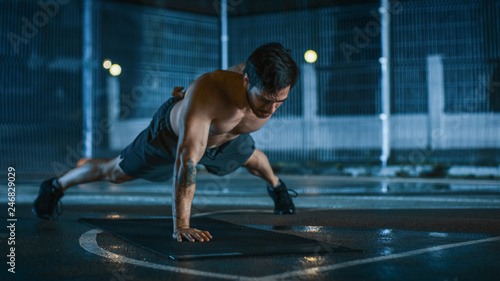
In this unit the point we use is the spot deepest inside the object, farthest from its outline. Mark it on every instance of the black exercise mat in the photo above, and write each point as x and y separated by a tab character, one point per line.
229	239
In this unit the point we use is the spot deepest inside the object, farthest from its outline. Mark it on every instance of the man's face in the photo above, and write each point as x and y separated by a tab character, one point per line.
264	104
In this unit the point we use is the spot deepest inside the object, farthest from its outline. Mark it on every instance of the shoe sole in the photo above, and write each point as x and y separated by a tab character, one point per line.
284	213
39	216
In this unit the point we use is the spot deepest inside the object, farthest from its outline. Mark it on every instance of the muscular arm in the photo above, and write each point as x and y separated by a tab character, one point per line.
194	124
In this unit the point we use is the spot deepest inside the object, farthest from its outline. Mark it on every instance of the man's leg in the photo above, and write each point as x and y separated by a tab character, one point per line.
90	170
47	205
258	165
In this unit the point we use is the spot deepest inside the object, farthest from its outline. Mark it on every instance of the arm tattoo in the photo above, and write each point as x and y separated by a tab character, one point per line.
188	174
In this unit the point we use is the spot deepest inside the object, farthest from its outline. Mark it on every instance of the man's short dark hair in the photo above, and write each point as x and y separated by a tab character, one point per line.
271	68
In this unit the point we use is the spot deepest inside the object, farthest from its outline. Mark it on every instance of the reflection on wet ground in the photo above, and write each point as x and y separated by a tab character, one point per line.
400	189
244	185
413	230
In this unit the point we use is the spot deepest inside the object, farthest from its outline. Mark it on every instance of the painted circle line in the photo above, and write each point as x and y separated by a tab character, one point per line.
89	243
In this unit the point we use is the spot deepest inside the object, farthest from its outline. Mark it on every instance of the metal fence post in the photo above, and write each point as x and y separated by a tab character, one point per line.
87	78
385	62
224	36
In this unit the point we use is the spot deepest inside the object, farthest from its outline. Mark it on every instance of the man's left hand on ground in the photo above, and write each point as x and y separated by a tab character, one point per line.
191	234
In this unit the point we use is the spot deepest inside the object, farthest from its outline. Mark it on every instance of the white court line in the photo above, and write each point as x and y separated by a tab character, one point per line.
315	270
89	243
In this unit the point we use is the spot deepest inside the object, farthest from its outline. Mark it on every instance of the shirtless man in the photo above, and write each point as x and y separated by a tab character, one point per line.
208	124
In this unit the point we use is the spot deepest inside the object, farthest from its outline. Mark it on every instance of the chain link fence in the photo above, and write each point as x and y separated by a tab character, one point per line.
445	103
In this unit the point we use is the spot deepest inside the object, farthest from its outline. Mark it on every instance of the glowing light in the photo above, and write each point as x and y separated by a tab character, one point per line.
115	70
312	259
385	187
106	64
115	216
386	232
312	229
310	56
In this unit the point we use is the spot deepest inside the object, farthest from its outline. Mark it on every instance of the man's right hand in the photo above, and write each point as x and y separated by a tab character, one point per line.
191	234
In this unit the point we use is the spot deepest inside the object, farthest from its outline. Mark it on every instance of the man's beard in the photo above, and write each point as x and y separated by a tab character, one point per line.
254	110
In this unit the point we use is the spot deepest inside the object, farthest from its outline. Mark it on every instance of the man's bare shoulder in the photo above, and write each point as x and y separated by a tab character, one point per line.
225	79
207	89
213	92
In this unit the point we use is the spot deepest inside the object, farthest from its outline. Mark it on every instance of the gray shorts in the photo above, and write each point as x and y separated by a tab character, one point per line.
152	154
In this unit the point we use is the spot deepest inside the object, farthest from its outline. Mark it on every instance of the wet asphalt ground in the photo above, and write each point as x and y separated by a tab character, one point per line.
407	229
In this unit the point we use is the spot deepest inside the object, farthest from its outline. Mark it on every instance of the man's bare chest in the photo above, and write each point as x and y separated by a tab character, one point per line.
223	130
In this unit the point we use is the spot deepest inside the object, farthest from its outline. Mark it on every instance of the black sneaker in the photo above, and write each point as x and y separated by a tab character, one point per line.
47	204
283	203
